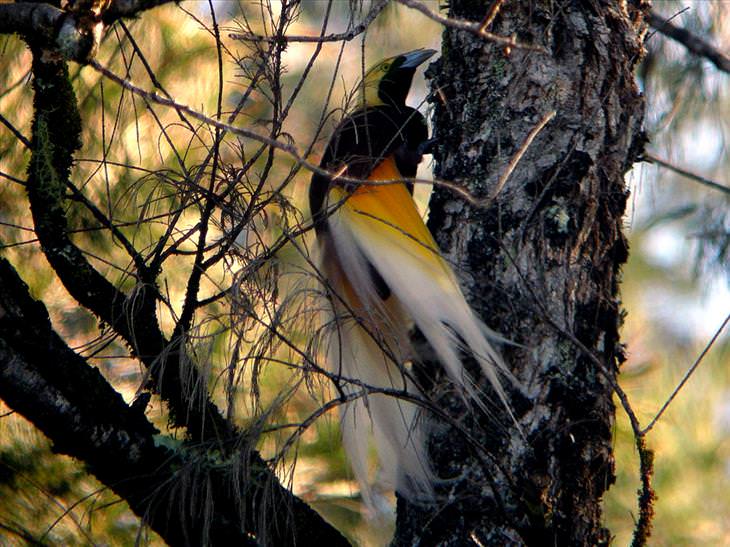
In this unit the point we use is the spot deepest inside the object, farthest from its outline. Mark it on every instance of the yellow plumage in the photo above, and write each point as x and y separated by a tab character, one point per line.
385	274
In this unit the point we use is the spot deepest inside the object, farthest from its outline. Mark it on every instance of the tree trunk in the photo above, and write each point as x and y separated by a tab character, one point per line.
543	259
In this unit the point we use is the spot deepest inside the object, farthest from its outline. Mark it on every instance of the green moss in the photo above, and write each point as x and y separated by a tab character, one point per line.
559	217
499	67
42	163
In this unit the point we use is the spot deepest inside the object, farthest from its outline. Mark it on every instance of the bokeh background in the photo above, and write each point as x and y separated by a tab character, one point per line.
675	285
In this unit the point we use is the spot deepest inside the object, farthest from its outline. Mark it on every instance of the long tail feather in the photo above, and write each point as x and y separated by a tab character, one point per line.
382	222
362	350
379	228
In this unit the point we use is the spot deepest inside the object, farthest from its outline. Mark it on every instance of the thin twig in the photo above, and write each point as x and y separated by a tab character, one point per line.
521	152
11	178
650	158
15	131
107	223
469	26
686	377
268	141
491	14
192	286
339	37
692	42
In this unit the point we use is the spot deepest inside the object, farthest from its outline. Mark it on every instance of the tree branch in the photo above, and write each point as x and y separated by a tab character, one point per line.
692	42
56	136
73	36
478	29
119	9
338	37
650	158
30	18
74	32
185	494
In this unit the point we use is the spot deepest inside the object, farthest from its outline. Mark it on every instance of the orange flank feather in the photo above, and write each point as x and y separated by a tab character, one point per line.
389	209
384	274
377	228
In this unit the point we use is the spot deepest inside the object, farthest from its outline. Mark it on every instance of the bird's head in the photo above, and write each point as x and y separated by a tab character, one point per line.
388	81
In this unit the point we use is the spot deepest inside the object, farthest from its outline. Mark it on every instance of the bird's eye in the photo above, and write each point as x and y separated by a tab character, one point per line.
386	67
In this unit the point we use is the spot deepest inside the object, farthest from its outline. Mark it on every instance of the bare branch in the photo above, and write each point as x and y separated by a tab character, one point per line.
692	42
66	33
296	156
686	376
29	18
339	37
520	152
71	402
125	313
478	29
15	131
688	174
75	35
491	15
119	9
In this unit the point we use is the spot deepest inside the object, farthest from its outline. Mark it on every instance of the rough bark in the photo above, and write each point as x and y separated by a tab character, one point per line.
543	261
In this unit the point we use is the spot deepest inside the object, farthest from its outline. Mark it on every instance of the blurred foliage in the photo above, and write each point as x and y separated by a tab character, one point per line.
674	284
136	164
48	499
688	113
692	439
675	289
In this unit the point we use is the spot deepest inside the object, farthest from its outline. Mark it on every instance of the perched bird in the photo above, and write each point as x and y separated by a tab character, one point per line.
384	273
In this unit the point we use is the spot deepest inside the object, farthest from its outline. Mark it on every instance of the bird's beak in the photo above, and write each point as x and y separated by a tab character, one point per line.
416	57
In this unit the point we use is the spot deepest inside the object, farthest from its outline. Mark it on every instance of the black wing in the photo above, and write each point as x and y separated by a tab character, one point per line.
363	140
358	145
